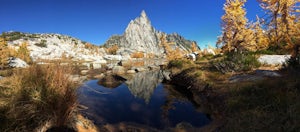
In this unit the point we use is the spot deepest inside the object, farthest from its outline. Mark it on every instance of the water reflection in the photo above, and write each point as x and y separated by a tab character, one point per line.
142	100
143	84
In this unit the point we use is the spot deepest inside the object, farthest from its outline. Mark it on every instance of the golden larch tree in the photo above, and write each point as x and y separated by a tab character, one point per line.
260	35
171	53
236	34
282	22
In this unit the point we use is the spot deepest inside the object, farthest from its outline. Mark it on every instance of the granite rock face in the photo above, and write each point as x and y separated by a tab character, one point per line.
141	36
55	46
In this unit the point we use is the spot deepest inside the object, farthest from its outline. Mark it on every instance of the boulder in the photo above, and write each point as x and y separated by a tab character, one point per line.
273	59
113	57
99	76
267	73
84	72
118	70
256	76
166	75
17	63
140	69
131	71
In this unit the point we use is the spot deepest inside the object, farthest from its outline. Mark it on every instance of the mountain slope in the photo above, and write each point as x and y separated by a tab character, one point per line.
55	46
140	36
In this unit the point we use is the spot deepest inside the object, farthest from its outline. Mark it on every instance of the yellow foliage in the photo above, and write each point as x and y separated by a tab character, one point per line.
261	38
5	53
171	54
150	55
23	53
112	50
283	19
194	47
137	55
236	35
88	46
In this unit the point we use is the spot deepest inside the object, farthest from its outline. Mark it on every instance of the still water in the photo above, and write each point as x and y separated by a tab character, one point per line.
142	99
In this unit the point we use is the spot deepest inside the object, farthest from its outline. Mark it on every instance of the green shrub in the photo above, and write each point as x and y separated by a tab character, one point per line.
236	62
175	63
42	44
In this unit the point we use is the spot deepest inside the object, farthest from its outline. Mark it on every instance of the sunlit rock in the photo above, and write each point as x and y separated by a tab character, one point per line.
141	36
17	63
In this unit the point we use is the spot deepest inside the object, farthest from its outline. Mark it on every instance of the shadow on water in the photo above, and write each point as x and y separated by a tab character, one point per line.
144	100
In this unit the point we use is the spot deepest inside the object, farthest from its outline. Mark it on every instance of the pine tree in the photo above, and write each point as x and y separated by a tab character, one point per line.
236	34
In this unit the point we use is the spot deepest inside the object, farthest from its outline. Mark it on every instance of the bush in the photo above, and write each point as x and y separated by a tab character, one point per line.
137	55
42	44
112	50
178	63
293	63
236	62
11	36
41	94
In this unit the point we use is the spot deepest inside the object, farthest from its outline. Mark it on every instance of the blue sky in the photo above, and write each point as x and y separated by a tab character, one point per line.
96	20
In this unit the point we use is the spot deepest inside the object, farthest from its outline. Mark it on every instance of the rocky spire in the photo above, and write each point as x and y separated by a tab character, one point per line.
140	35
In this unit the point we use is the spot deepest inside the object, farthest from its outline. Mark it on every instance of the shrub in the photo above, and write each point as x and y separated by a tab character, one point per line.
236	62
42	44
23	53
112	50
41	94
137	55
179	63
11	36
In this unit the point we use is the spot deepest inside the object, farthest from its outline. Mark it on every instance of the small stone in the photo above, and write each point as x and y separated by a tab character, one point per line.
131	71
140	69
84	72
99	76
17	63
118	70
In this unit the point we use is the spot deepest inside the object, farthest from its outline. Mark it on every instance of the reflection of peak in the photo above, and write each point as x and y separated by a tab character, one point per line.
142	85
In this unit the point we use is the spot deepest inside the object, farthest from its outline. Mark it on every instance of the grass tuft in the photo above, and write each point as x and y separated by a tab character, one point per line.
39	94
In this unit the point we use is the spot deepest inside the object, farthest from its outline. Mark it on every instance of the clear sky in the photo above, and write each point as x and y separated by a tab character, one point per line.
96	20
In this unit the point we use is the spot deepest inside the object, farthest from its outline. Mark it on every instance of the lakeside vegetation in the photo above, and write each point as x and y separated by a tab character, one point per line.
37	97
43	96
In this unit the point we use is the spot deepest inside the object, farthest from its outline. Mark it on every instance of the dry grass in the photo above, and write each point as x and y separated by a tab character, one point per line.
137	55
112	50
39	94
269	105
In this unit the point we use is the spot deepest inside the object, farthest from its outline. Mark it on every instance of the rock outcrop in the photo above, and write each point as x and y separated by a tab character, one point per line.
141	36
55	46
274	59
16	63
